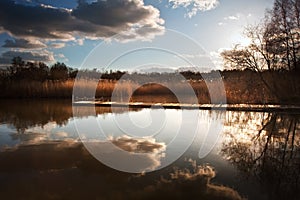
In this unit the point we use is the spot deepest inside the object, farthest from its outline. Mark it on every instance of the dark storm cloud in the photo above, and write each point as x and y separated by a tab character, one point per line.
23	44
22	20
100	19
113	13
41	56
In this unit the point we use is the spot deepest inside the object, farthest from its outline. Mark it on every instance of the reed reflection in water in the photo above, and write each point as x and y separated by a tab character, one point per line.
41	157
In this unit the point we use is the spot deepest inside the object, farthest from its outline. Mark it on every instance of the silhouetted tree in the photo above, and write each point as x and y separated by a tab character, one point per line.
38	71
275	46
59	71
17	65
28	70
72	72
43	71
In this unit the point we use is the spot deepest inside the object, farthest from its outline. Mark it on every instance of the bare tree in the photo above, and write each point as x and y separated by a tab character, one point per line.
274	47
285	35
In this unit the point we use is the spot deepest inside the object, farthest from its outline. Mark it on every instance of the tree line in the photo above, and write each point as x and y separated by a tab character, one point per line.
39	71
274	47
20	70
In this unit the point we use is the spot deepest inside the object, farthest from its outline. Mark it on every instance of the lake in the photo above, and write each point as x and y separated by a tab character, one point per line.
50	149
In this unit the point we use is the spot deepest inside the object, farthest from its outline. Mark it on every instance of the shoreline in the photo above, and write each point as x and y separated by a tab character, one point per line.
218	107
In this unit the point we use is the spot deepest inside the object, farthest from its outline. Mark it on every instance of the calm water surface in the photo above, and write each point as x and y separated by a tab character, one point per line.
230	155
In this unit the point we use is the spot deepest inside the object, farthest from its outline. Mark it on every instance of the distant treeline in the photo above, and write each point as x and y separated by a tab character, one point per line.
39	71
37	80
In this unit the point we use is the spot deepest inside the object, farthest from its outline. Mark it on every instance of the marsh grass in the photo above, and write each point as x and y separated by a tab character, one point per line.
238	90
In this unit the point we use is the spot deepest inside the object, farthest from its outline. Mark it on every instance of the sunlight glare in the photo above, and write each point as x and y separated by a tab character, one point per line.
240	39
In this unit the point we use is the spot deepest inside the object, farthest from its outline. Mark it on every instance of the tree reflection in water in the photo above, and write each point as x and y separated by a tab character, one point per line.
266	146
23	114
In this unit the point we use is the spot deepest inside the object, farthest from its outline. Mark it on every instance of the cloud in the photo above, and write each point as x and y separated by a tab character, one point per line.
61	134
229	18
187	56
24	44
58	45
40	56
99	19
217	58
194	6
61	56
232	17
80	41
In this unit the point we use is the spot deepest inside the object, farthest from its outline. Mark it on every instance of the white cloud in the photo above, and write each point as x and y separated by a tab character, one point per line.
61	134
194	6
60	55
233	17
80	41
217	58
58	45
24	44
193	55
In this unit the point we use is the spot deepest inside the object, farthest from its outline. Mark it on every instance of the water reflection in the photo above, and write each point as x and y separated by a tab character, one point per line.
27	113
141	155
23	114
65	170
267	147
42	157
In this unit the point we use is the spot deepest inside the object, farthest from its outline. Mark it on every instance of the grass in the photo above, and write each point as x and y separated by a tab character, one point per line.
246	89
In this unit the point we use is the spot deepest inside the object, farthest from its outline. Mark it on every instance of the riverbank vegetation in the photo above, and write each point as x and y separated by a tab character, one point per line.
241	86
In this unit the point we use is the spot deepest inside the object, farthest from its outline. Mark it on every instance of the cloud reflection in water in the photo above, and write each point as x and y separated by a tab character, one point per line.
139	154
66	170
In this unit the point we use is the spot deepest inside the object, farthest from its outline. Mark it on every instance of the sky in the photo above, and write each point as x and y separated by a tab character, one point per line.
126	34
